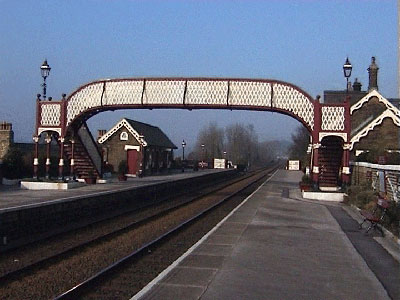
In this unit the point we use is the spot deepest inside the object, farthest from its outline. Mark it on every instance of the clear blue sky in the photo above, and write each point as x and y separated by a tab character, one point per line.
302	42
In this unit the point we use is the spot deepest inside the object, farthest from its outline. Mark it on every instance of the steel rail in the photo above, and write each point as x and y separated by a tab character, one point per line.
15	273
79	289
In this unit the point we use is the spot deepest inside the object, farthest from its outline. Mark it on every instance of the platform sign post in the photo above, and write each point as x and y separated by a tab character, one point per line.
219	163
293	165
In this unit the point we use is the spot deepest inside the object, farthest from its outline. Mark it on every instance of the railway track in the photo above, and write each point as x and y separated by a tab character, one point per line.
90	263
53	246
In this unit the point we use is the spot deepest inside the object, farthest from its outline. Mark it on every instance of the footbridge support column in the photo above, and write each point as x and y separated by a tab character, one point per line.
346	166
48	151
315	168
36	158
61	162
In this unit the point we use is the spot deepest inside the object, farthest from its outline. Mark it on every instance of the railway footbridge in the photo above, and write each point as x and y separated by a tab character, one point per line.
65	120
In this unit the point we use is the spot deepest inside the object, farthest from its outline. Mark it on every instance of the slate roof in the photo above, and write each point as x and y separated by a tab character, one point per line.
152	134
339	96
361	126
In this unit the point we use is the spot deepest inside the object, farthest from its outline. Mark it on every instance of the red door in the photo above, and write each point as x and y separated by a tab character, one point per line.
132	161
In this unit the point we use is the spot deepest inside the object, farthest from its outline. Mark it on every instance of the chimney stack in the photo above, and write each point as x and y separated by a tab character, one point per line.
6	138
357	85
373	75
349	87
100	133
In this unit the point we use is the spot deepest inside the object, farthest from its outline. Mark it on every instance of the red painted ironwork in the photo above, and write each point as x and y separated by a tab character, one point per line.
321	120
61	163
72	164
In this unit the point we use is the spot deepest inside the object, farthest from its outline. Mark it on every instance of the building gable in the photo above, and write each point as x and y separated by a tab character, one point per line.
365	115
376	94
152	135
127	125
387	114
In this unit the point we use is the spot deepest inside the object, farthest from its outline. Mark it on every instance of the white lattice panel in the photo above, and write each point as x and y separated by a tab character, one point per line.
164	92
207	92
250	93
290	99
123	92
332	118
86	98
51	115
198	92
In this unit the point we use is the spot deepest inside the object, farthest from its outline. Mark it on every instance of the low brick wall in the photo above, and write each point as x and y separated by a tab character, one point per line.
21	226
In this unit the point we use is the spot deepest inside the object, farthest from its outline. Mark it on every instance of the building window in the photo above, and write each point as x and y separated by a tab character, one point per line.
123	136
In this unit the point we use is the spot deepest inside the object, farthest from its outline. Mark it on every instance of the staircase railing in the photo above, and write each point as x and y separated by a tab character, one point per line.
90	146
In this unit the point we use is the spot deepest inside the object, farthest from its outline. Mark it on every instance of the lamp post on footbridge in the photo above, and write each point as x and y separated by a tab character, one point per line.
347	67
45	70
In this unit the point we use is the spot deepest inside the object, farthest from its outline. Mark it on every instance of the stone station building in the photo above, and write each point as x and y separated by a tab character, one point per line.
145	148
375	120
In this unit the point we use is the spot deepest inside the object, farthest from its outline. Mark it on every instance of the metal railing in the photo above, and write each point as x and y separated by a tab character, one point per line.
90	146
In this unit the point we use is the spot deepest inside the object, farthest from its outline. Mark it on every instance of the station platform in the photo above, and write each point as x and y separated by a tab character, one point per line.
13	197
277	245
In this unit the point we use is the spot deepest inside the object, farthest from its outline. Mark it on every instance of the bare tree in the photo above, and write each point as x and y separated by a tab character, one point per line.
300	142
242	144
270	150
212	137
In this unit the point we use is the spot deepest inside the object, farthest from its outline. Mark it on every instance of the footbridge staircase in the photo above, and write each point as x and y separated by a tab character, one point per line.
67	118
83	153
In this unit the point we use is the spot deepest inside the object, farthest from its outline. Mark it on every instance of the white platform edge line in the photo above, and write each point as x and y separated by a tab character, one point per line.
77	197
164	273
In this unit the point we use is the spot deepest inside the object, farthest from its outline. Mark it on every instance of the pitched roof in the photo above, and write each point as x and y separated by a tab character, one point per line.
361	124
382	99
146	134
377	121
153	135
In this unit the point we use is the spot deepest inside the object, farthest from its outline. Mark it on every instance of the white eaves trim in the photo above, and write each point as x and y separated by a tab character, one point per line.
127	125
386	114
382	99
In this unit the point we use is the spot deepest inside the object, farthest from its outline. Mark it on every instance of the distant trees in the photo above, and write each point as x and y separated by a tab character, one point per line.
14	165
239	141
299	146
212	137
242	143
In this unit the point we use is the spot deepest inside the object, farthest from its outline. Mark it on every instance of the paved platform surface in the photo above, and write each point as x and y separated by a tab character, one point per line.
276	246
14	197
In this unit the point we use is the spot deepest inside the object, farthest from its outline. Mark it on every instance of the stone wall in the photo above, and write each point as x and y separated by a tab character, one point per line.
6	138
116	148
33	222
367	174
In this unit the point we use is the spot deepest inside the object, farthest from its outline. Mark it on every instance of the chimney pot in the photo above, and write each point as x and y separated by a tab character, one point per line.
357	85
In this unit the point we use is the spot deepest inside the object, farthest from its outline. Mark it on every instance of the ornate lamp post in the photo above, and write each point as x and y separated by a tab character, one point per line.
183	155
45	70
347	67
